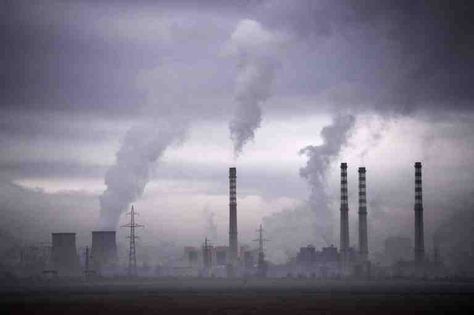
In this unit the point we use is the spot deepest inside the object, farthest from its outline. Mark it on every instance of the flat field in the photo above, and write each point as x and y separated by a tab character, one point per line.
218	296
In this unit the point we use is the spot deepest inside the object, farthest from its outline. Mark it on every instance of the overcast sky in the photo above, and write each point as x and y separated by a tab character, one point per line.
84	80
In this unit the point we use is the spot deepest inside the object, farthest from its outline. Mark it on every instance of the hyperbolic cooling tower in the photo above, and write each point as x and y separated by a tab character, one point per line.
419	241
64	254
104	250
233	243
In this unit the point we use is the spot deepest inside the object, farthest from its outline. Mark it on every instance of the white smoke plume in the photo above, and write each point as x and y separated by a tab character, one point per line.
210	228
256	50
310	223
319	158
142	146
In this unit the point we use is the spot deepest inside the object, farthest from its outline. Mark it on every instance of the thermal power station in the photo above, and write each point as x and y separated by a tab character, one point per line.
419	239
103	251
233	243
344	225
363	244
64	254
242	261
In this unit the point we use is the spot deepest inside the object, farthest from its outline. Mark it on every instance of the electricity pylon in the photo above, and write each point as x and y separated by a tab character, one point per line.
261	264
132	257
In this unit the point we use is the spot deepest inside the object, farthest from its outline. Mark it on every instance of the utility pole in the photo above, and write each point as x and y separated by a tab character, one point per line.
261	264
87	271
132	258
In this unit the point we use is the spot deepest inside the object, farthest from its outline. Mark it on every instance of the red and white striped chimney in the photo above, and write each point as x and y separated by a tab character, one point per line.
419	238
363	244
344	225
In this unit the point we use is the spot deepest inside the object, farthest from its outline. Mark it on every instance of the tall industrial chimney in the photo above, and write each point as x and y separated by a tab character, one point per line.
419	242
344	237
363	246
64	253
103	251
233	244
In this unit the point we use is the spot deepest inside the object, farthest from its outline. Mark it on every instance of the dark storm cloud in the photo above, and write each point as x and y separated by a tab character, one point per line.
87	56
49	60
50	169
392	55
21	207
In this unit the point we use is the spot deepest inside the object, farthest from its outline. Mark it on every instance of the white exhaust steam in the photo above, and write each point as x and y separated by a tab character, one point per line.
319	158
256	50
143	145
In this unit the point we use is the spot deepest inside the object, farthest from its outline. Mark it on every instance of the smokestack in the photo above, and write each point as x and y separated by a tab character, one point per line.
233	245
419	242
104	250
64	254
344	214
363	246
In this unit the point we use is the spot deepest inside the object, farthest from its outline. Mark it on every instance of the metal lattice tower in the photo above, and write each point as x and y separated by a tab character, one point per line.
132	257
261	265
207	257
87	264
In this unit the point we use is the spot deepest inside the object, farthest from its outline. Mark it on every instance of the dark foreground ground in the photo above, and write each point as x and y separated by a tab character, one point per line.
196	297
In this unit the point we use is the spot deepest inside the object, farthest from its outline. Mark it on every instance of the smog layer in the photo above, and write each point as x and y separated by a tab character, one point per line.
316	144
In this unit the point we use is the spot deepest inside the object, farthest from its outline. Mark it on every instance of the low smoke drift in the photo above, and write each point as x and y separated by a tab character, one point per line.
126	180
256	52
319	158
310	223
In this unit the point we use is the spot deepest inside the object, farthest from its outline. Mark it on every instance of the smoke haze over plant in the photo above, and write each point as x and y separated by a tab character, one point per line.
315	172
100	91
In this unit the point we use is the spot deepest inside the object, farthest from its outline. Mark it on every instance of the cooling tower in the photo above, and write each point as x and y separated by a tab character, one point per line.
64	254
103	251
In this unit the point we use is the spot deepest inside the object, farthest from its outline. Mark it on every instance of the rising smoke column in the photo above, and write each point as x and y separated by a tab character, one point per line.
256	51
309	223
142	146
319	159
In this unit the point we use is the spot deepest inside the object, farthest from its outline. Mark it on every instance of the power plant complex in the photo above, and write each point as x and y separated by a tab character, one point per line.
234	260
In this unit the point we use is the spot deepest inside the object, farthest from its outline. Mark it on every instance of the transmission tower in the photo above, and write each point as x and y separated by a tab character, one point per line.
132	257
207	258
261	264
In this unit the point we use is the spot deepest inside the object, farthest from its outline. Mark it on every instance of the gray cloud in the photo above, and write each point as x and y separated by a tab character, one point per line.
389	56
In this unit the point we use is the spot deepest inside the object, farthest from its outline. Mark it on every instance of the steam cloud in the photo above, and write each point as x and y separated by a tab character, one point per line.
302	225
210	225
126	180
256	51
319	158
